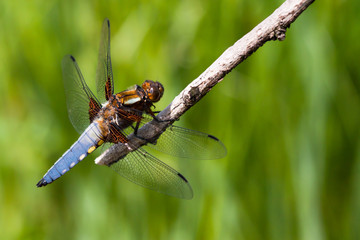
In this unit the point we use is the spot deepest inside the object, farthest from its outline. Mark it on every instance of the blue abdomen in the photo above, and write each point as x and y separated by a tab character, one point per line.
86	144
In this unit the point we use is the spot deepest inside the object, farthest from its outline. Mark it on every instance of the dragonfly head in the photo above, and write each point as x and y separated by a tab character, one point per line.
154	90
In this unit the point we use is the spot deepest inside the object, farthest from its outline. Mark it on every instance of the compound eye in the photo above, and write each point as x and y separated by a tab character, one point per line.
154	95
153	89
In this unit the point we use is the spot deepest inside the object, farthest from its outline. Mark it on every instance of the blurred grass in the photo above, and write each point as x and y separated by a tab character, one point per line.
289	116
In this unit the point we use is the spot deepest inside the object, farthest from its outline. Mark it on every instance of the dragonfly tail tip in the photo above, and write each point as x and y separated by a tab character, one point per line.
41	183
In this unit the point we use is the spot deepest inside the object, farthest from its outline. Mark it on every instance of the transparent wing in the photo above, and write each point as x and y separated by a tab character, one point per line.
147	171
77	94
104	76
186	143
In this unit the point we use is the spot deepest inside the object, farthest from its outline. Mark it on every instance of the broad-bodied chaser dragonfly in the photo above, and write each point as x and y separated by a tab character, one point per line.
113	116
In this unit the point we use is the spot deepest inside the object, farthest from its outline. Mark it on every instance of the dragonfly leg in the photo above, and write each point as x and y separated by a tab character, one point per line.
136	128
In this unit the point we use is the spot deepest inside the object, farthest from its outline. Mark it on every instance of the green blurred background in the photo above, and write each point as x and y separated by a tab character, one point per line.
289	116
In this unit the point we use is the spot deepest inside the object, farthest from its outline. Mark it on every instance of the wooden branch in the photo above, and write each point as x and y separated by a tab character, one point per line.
272	28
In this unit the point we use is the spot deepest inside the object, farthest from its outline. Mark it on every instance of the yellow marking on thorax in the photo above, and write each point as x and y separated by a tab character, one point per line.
129	96
131	100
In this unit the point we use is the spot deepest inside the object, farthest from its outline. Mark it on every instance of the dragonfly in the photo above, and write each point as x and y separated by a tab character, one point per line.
110	118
